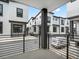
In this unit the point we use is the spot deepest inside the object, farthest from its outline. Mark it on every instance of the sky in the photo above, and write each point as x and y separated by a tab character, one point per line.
61	11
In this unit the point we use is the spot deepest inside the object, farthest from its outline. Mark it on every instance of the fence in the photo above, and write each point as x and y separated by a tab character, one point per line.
14	45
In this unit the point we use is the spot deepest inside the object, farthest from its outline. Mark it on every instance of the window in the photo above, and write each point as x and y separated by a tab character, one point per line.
49	19
54	29
34	28
55	18
1	9
1	27
30	23
67	29
62	29
17	28
39	29
19	12
67	22
62	22
40	17
77	44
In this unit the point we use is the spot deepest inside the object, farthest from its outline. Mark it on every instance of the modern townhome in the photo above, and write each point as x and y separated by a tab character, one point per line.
13	18
56	25
73	15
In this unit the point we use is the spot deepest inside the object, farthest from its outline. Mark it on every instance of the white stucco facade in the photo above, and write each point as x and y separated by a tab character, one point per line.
10	14
53	21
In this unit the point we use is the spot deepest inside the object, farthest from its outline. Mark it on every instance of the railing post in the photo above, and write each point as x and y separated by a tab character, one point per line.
24	39
39	40
48	41
68	35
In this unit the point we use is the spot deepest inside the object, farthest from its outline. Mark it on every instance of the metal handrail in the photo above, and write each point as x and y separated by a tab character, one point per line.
33	17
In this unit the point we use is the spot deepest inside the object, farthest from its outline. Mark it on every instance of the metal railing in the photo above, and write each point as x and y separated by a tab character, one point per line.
16	45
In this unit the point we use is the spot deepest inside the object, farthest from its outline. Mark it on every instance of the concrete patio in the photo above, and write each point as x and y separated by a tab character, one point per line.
37	54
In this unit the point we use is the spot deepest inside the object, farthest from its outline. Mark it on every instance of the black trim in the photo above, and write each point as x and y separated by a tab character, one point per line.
73	17
19	14
17	22
1	14
55	25
12	22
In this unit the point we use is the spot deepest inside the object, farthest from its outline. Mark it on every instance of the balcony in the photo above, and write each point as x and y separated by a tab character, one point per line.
12	48
37	54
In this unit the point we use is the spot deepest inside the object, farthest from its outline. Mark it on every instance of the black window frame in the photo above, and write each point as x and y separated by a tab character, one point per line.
19	14
49	19
62	22
62	29
54	29
1	27
17	30
34	28
1	13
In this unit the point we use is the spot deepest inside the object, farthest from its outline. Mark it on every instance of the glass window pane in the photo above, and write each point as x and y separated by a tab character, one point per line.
1	9
62	29
54	29
19	12
17	28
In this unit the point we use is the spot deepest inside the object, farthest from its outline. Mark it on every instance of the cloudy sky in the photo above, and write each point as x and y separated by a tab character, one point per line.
62	11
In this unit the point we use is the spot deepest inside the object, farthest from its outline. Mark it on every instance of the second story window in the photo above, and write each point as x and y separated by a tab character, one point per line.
19	12
49	19
34	28
62	29
67	22
1	10
62	22
55	18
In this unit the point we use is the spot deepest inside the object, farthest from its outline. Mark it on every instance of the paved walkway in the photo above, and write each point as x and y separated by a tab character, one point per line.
37	54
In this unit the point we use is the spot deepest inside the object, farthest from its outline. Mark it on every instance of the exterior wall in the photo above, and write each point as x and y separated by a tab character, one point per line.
53	22
9	13
73	15
14	46
62	25
5	19
13	14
